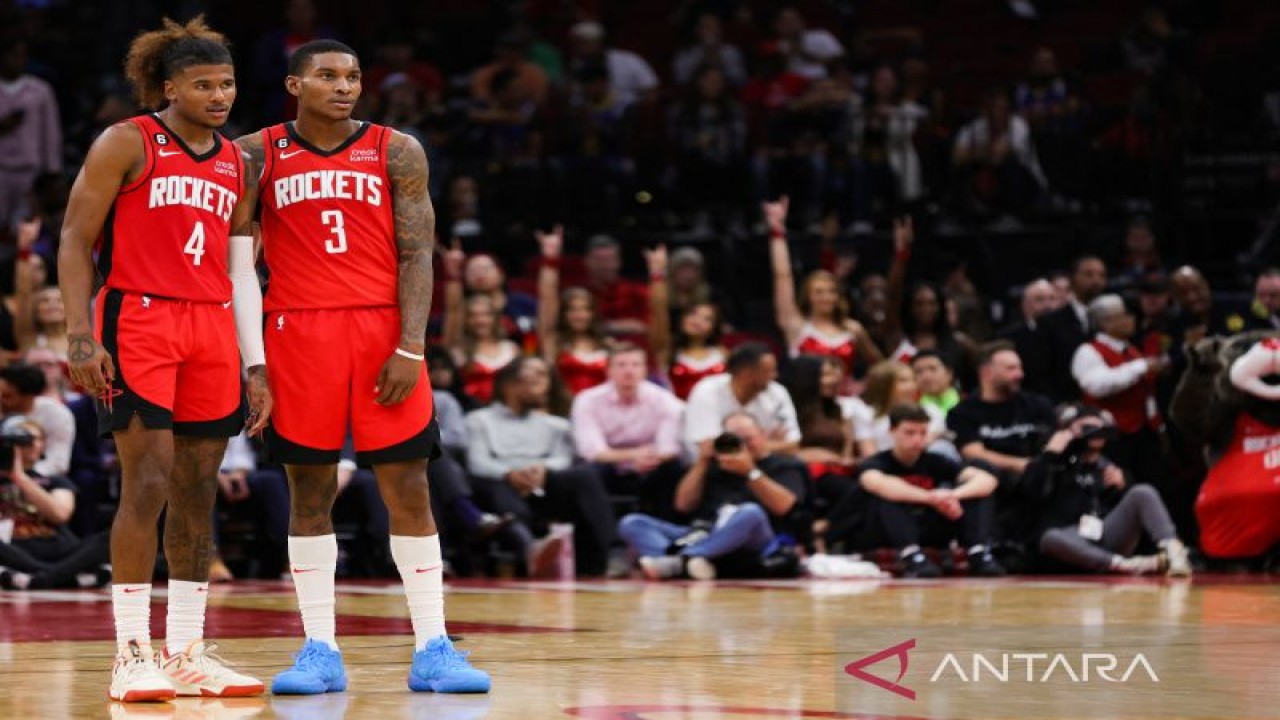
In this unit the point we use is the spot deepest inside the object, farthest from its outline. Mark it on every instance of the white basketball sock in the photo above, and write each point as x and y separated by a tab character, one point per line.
131	605
184	620
313	562
421	567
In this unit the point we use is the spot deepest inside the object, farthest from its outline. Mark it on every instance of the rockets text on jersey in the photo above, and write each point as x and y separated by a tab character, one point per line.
328	228
167	231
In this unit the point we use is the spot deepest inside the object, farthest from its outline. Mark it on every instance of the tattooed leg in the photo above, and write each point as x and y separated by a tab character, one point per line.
188	527
146	462
312	489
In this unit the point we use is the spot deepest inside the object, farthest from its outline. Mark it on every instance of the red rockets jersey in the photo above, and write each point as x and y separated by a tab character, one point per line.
167	231
328	228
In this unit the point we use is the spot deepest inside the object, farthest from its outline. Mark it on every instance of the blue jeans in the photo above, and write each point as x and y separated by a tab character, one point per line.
747	529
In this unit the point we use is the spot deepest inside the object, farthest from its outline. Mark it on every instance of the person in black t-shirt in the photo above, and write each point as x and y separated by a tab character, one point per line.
920	497
1000	428
739	496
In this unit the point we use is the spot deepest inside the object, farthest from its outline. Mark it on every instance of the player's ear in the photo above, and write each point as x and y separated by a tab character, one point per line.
170	91
293	84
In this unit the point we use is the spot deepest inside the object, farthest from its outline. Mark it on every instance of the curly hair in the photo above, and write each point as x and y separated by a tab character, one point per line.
158	55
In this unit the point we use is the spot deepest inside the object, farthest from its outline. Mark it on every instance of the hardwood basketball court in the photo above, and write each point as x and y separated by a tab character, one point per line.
634	650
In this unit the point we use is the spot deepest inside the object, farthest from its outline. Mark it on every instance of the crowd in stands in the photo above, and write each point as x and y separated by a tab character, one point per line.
711	298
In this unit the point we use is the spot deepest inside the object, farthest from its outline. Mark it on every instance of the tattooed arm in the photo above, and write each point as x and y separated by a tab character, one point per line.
246	289
415	227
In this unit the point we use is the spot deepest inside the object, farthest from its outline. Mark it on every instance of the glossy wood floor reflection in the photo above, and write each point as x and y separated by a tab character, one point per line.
620	650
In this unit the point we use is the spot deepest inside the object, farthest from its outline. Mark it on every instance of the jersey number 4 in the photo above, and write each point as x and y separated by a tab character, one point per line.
333	220
195	244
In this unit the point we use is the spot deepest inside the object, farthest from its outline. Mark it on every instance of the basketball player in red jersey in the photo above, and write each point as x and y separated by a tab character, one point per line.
347	232
159	196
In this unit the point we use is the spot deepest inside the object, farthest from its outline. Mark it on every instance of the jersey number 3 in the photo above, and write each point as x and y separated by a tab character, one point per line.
333	220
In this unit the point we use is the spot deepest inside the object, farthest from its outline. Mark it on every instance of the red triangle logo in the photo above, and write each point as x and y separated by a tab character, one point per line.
900	650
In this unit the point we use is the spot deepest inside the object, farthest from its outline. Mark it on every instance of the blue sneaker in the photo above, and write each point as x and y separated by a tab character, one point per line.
316	669
440	668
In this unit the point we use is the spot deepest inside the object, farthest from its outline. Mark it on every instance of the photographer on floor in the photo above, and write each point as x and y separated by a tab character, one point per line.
1089	516
37	550
740	496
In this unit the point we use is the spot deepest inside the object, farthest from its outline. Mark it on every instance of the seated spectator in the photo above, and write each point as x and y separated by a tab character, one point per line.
1038	297
1119	379
630	428
529	82
22	389
1141	256
1264	311
1087	516
739	495
808	50
522	460
936	381
473	331
42	552
571	332
452	497
748	385
264	495
889	384
623	304
630	79
1002	427
922	498
996	172
709	49
819	322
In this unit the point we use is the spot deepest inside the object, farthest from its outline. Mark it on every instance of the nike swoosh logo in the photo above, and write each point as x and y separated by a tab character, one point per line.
133	590
428	569
286	156
162	153
298	571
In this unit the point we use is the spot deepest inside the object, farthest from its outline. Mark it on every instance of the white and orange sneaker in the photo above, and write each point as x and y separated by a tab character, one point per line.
136	677
199	673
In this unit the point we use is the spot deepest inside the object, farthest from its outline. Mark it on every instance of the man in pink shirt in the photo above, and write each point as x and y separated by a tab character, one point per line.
631	429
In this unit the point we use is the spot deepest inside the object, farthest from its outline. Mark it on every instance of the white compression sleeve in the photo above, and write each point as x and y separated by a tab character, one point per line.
246	296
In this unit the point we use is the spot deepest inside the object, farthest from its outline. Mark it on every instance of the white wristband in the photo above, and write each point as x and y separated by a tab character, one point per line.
405	353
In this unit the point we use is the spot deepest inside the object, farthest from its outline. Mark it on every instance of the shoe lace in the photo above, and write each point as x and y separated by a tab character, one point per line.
449	657
210	662
310	657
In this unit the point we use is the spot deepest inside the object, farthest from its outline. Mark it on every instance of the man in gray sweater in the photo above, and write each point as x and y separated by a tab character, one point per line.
522	459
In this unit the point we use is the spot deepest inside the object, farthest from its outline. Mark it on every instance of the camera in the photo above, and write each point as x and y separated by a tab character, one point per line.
13	435
727	444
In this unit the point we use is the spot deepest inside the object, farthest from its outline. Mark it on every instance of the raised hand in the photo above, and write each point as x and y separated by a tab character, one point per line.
775	214
454	259
552	243
904	233
656	259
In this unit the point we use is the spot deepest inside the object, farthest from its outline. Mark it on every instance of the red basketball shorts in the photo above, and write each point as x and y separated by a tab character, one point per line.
323	368
177	365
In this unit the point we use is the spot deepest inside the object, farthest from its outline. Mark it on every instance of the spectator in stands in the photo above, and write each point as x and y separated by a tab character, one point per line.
748	385
1116	377
30	130
826	431
596	146
709	49
401	105
57	384
1002	427
483	275
271	59
1141	256
630	428
1067	328
922	498
1028	338
695	352
529	82
819	323
1198	314
464	219
1264	311
890	384
397	56
42	552
996	171
1155	315
22	393
709	134
1088	517
688	287
452	496
39	318
1043	97
882	146
473	331
522	459
739	495
1061	282
629	77
623	304
937	382
571	332
267	493
808	51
